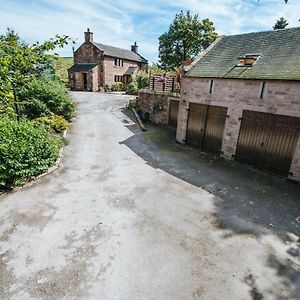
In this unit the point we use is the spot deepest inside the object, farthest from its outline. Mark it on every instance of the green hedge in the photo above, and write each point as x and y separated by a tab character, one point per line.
25	151
53	123
46	96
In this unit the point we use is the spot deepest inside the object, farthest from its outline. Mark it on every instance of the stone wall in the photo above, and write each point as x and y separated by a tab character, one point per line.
279	97
156	104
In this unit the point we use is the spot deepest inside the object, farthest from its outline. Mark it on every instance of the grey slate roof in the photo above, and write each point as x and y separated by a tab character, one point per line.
129	71
82	67
120	53
280	59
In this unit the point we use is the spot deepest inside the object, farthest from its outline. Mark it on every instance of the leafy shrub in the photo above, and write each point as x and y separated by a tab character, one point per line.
132	88
45	96
139	81
25	151
54	123
142	80
119	86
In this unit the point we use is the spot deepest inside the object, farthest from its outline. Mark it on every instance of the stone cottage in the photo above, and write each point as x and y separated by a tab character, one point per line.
97	65
241	100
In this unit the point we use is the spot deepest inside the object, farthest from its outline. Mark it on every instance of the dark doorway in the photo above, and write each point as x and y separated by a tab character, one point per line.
173	113
85	83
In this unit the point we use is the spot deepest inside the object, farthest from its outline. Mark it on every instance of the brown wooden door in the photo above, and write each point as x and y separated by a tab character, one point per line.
173	113
214	129
196	124
268	140
205	127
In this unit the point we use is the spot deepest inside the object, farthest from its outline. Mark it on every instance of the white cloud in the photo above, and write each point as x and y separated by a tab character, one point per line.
120	22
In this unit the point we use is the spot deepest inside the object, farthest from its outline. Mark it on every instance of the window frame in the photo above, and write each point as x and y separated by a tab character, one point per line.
119	62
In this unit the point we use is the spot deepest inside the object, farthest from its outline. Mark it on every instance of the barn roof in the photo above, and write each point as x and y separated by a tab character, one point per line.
120	53
277	53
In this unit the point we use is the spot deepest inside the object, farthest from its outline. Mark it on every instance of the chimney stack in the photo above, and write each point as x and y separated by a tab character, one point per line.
88	36
135	48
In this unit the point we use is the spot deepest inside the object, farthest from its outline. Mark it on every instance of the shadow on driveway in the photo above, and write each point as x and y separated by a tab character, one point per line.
248	201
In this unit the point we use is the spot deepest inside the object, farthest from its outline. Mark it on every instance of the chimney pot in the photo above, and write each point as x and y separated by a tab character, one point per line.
88	36
135	48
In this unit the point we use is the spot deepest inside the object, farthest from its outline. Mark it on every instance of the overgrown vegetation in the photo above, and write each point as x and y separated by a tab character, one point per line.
25	151
44	97
140	80
34	108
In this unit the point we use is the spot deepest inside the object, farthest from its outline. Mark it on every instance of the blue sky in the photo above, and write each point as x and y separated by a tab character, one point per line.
120	23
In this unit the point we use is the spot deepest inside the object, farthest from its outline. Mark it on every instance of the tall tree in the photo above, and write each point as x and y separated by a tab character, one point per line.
21	62
186	37
280	23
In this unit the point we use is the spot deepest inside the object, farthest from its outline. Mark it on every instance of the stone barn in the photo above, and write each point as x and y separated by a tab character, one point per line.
241	99
98	65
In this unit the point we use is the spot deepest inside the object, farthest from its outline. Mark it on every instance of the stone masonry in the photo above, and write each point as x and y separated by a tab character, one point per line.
156	104
280	97
104	73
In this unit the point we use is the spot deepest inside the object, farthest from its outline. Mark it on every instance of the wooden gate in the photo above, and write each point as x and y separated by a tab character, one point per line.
205	127
268	140
173	113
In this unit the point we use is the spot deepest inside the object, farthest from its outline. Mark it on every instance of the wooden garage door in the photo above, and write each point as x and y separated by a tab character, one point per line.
205	127
268	141
173	113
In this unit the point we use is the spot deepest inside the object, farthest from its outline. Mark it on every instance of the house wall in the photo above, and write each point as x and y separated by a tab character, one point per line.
280	97
110	70
88	53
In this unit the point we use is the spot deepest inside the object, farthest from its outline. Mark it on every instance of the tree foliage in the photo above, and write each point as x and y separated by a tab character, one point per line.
186	37
30	90
20	62
280	24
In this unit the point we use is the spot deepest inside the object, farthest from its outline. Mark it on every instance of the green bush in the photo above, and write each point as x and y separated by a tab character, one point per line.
53	123
25	151
45	96
119	86
142	79
132	88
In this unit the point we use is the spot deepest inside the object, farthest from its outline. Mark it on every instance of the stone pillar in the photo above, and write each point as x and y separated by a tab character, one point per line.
295	166
231	134
182	121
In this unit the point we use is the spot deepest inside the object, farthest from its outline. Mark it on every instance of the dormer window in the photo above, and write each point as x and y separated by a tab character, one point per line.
118	62
248	60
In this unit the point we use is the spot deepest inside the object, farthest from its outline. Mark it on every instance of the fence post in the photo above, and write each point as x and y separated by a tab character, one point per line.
149	81
173	82
164	82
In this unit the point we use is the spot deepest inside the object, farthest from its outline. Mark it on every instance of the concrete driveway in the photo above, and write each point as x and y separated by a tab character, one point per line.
119	220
